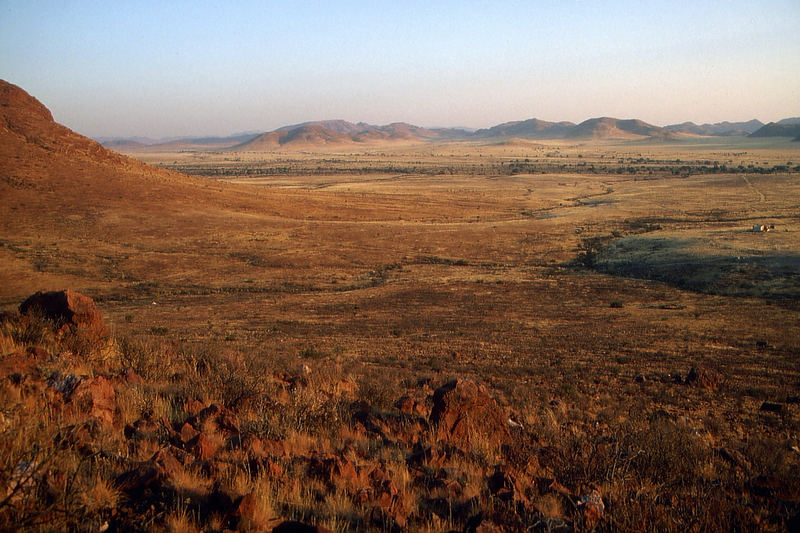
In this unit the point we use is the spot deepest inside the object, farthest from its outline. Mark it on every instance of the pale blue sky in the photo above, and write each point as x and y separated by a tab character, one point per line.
194	68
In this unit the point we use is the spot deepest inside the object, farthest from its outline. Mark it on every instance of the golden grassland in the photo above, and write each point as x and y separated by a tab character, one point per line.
579	281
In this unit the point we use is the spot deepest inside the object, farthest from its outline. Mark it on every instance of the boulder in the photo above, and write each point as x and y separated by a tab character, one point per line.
96	398
463	408
216	419
204	447
253	515
69	310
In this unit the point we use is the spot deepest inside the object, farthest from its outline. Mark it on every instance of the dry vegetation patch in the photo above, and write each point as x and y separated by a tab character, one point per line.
284	327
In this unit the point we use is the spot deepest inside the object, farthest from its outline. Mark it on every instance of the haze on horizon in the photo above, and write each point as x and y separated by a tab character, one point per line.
208	68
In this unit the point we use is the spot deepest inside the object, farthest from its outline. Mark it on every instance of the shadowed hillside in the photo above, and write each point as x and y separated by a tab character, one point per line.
718	128
339	133
528	129
777	129
612	128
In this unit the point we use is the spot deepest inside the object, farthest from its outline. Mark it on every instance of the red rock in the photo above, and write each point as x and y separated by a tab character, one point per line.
97	398
253	446
251	516
333	468
463	408
203	447
17	363
187	433
69	310
193	407
216	418
166	460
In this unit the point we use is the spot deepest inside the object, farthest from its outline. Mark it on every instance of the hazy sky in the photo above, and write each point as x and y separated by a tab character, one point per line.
167	68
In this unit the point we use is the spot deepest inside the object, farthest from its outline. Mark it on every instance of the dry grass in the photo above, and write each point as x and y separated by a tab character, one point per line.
390	284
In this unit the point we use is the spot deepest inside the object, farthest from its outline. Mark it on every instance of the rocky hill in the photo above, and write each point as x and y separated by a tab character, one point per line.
778	129
339	133
528	129
613	128
718	128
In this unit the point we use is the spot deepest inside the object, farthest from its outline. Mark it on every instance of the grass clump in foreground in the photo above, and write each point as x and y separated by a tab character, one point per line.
153	435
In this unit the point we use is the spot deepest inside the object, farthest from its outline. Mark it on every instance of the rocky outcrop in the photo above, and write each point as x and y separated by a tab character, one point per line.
463	409
69	311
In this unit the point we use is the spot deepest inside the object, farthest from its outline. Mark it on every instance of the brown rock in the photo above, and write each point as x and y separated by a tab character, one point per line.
462	408
204	447
409	405
69	310
216	418
193	407
17	363
96	398
166	460
188	433
252	516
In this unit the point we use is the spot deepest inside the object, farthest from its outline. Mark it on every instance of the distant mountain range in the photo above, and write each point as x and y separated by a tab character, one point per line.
788	127
145	143
342	133
718	129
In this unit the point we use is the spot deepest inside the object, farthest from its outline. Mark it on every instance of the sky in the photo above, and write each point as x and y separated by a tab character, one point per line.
160	69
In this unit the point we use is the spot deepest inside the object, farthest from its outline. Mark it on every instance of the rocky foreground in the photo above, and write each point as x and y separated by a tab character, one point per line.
102	434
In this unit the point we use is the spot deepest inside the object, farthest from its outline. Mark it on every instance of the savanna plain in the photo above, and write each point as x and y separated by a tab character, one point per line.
442	336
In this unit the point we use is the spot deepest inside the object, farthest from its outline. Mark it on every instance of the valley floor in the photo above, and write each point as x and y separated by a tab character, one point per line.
613	299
